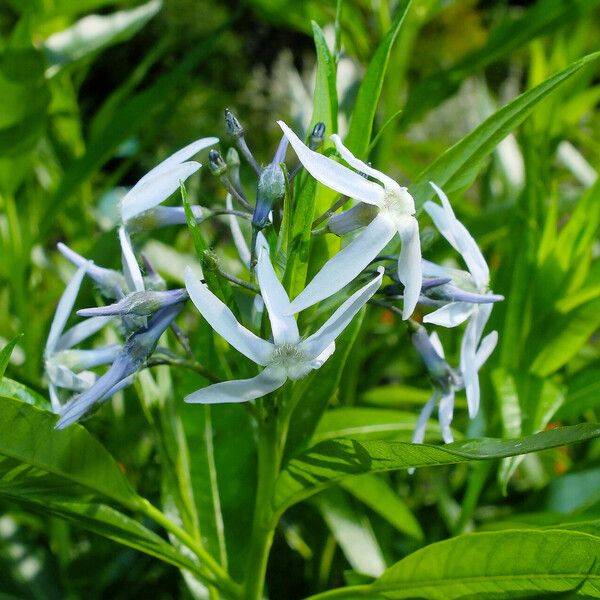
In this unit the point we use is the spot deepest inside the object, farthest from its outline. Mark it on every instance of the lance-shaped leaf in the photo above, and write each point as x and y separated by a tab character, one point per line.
458	166
334	460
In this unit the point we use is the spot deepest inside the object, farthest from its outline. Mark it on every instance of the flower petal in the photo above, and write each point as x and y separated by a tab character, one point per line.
131	268
319	341
354	218
359	165
239	390
237	235
283	325
155	189
409	264
419	432
468	365
54	399
445	413
342	268
488	343
451	315
458	236
431	269
435	341
63	310
333	174
80	332
177	158
223	321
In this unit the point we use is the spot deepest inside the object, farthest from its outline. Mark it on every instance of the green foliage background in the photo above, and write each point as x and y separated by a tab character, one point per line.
79	118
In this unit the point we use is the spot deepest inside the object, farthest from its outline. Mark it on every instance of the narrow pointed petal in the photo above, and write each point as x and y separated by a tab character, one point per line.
283	325
63	310
488	343
354	218
223	321
319	341
177	158
458	236
434	338
445	414
239	390
359	165
279	156
332	174
431	269
131	268
318	362
80	332
237	235
79	360
54	399
155	190
82	404
451	315
468	366
349	262
409	264
419	432
63	377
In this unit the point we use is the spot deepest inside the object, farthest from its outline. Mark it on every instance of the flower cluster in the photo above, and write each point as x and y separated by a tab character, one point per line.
140	307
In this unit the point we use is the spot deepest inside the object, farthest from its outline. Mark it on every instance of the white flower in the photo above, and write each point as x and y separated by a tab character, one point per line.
159	183
454	313
67	368
287	356
395	210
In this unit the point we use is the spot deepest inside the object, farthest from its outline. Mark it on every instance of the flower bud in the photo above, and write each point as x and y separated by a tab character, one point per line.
232	158
271	189
139	304
317	136
234	127
216	164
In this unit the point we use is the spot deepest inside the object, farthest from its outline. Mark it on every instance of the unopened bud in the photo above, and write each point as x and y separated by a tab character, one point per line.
232	158
216	164
234	127
271	189
138	304
317	137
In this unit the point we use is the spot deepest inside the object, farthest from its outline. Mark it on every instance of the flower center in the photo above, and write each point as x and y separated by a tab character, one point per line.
291	360
398	202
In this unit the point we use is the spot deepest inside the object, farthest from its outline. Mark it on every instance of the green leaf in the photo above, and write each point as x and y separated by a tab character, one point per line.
40	462
545	16
583	394
114	525
334	460
95	32
456	168
564	336
352	531
18	391
325	107
363	114
6	352
498	565
373	491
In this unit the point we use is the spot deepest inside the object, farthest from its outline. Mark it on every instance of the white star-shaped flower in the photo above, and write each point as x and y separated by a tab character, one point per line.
395	209
288	356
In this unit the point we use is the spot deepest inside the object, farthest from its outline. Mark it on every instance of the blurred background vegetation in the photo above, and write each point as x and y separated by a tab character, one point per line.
88	104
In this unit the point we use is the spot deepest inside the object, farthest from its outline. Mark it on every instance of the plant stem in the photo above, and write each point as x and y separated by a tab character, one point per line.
269	458
221	578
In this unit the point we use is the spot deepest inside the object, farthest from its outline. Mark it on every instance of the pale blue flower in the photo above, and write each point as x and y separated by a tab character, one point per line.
394	210
288	356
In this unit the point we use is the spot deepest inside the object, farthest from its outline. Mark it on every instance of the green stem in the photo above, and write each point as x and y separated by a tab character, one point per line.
221	578
269	458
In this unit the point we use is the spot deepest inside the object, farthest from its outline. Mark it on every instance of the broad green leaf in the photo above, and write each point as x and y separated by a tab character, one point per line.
573	491
498	565
112	524
334	460
363	113
95	32
40	462
458	166
396	395
373	491
543	17
352	531
5	354
18	391
360	422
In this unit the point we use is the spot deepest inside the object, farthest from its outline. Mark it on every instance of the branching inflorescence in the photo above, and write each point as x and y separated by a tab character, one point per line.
140	307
